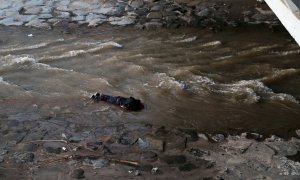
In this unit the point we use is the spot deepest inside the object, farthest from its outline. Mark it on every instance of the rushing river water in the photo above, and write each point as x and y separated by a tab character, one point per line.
237	80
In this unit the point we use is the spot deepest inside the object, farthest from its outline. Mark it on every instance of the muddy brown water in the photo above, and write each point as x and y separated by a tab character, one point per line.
244	79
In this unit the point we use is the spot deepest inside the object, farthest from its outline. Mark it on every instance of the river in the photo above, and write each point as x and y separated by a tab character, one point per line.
244	79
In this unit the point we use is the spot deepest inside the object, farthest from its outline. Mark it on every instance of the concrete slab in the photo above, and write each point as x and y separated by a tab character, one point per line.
288	13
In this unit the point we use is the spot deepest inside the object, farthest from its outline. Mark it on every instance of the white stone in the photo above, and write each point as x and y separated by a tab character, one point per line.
121	21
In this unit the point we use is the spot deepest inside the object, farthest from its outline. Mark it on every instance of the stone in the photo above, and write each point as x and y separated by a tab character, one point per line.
11	21
155	143
173	159
64	15
96	164
78	18
156	8
187	167
46	9
31	147
95	19
53	147
27	18
1	159
217	137
141	11
94	145
198	152
19	157
45	16
33	10
154	15
77	173
112	11
136	3
121	21
76	139
149	156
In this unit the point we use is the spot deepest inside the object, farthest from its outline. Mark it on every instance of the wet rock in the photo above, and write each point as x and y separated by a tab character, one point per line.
53	147
112	11
198	152
141	12
31	147
154	15
136	3
285	149
78	18
156	7
96	164
149	156
45	16
174	159
76	139
233	172
95	19
121	21
94	145
1	159
64	15
77	173
155	143
22	157
33	10
187	167
217	137
11	21
46	10
258	166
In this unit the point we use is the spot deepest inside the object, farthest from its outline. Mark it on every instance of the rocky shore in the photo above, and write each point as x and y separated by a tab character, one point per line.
143	14
57	149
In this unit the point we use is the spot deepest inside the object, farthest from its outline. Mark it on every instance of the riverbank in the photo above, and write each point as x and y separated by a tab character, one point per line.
149	14
141	151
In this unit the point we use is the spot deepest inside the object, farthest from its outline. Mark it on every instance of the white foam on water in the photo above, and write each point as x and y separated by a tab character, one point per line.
246	91
286	53
257	49
223	58
163	81
279	75
35	46
213	43
75	53
10	60
186	40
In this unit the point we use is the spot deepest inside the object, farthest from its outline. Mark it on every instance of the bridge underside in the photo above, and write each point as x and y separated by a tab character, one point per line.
288	12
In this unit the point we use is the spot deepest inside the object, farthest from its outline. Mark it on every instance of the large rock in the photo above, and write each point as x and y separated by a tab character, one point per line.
121	21
112	11
11	21
154	15
136	3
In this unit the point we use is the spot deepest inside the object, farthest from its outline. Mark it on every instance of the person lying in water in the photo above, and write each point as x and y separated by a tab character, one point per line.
130	103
